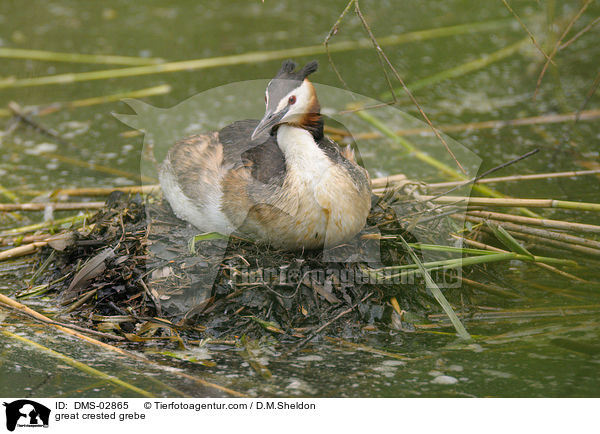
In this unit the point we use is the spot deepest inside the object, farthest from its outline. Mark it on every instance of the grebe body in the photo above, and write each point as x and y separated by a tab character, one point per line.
278	180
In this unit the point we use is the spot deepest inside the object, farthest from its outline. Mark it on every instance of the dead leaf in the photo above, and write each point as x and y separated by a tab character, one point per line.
62	241
94	267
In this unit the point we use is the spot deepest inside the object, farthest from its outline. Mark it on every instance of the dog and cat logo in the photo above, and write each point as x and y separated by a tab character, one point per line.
26	413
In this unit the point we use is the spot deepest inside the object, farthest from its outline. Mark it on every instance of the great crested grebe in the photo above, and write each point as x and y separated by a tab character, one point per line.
278	180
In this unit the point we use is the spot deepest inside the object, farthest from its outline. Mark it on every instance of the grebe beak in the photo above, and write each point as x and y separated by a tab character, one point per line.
268	122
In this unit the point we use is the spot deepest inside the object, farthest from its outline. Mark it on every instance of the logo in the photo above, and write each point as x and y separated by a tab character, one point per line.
162	127
26	413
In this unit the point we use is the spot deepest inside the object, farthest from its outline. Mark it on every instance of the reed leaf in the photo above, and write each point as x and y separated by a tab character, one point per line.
450	249
205	237
476	260
437	293
508	240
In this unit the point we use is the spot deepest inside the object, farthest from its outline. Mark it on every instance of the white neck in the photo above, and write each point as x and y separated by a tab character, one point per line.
301	151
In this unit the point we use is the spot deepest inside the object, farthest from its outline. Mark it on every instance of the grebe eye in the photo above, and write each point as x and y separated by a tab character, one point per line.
292	99
265	99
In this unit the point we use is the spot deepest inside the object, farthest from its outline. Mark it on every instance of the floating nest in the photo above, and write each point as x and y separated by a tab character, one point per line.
139	270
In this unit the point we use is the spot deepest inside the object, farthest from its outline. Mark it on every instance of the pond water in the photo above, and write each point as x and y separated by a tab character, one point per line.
542	343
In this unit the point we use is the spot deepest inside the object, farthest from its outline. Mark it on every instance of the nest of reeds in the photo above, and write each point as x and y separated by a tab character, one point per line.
139	264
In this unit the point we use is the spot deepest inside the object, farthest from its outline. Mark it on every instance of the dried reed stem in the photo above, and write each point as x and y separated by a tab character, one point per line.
534	120
55	206
53	56
510	202
552	224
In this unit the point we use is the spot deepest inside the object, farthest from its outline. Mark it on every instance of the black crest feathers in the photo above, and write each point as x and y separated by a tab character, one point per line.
288	67
309	68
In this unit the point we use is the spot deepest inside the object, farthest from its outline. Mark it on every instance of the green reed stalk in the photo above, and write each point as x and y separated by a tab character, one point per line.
254	57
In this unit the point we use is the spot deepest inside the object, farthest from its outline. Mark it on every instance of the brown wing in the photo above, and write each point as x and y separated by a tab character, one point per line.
199	167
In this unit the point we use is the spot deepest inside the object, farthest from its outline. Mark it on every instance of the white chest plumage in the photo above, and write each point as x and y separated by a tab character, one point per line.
306	162
325	211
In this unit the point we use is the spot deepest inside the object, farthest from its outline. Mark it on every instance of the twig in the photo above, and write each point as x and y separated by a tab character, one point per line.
80	301
38	272
366	349
20	240
538	240
527	30
569	174
409	146
589	95
490	289
334	29
95	191
410	270
155	300
488	172
24	117
321	328
385	181
580	33
383	56
557	45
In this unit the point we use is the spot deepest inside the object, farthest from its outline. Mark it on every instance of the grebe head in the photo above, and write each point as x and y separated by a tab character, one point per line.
290	99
